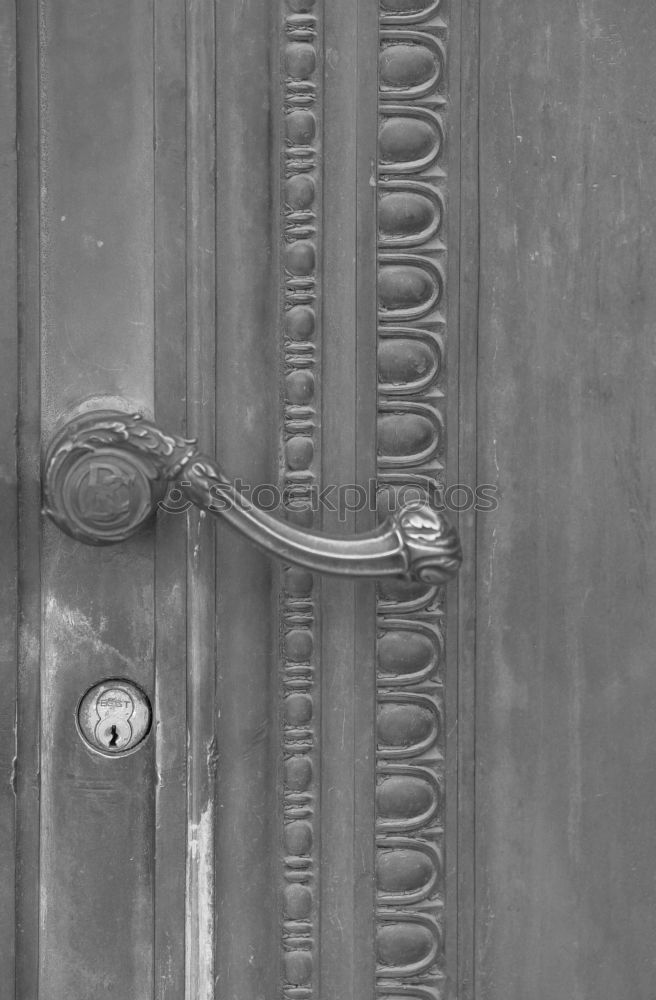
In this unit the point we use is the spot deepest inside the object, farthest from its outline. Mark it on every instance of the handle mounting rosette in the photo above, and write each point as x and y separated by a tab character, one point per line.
106	472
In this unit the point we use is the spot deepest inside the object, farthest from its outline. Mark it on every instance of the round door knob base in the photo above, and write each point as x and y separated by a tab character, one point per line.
95	490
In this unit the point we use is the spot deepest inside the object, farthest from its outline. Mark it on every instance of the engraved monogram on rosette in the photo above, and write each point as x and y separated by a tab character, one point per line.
105	474
111	494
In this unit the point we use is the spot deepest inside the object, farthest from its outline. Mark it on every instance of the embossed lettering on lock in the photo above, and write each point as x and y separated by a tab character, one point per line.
114	717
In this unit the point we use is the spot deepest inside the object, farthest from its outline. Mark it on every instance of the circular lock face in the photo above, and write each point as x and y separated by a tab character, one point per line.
114	717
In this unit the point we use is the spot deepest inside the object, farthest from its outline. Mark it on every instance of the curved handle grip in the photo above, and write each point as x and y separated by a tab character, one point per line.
106	472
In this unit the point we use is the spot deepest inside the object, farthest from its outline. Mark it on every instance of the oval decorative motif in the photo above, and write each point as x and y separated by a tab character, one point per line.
300	452
298	967
409	142
298	709
298	902
300	258
405	66
405	946
406	655
300	323
408	287
404	870
299	192
406	363
298	773
298	838
406	217
406	800
301	127
298	645
406	728
411	64
404	213
300	387
300	60
406	437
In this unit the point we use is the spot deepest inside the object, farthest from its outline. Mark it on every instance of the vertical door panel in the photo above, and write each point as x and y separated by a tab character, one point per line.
346	926
8	493
247	900
96	315
170	598
565	742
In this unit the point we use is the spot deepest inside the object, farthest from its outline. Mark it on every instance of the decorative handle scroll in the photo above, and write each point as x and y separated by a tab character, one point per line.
106	472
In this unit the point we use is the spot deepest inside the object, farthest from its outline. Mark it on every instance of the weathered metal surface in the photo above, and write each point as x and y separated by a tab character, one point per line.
565	741
8	493
345	631
188	174
105	475
247	391
158	184
94	290
170	579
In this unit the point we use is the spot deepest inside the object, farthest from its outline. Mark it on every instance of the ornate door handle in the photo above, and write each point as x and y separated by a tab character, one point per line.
107	472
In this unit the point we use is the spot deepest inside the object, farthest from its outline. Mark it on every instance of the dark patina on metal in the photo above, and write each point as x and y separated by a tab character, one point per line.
106	472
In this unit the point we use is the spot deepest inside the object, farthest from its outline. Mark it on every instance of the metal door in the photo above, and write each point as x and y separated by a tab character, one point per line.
363	251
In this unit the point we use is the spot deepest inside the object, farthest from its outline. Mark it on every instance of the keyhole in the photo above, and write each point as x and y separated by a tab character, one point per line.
114	736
